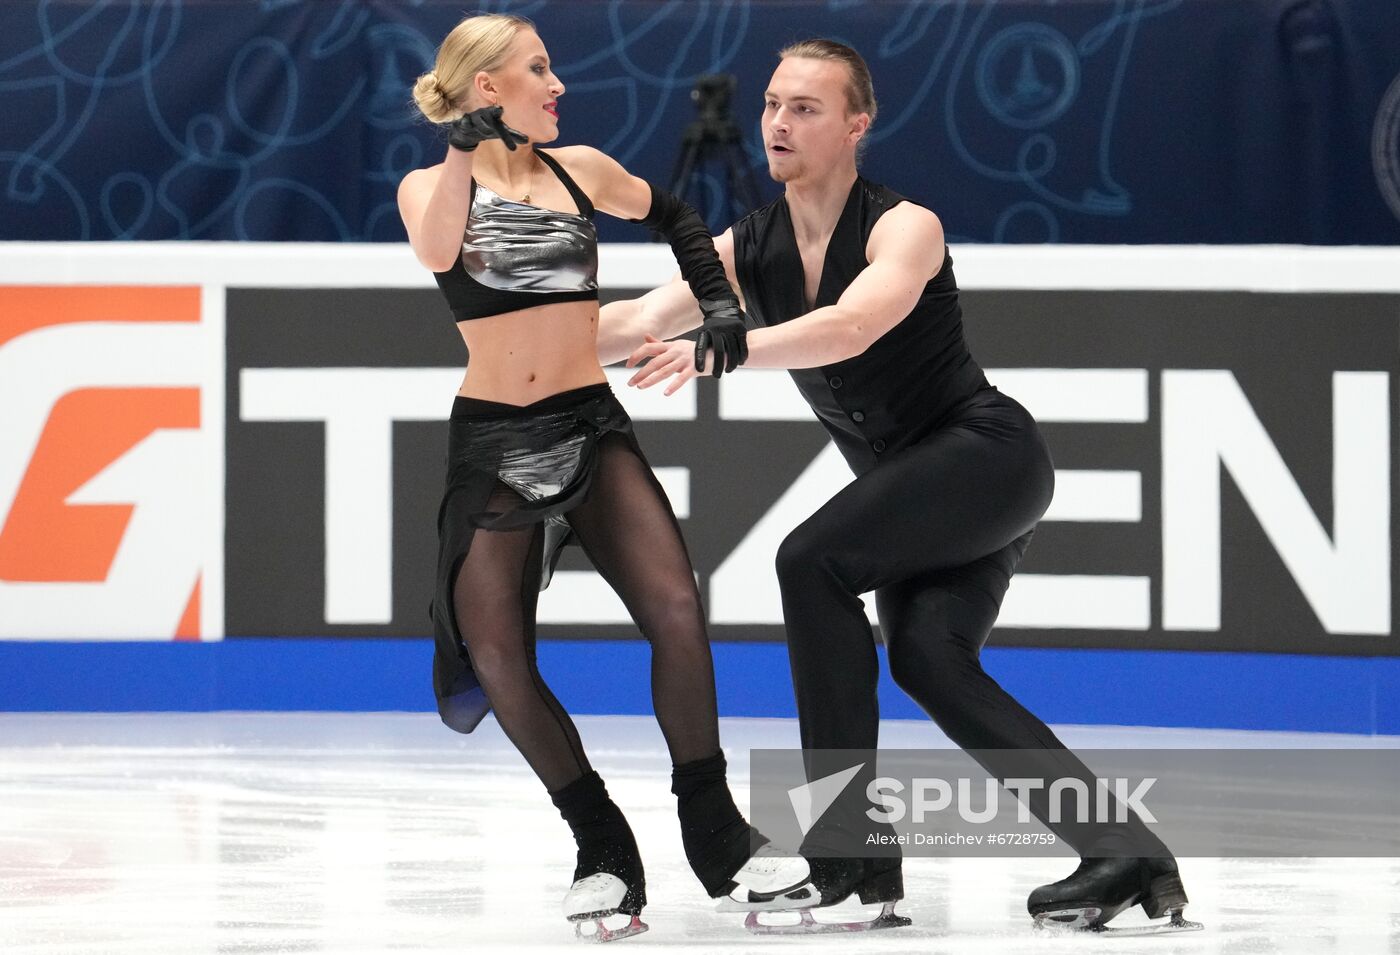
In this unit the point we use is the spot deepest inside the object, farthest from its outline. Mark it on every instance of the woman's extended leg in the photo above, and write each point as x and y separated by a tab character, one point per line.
630	533
494	597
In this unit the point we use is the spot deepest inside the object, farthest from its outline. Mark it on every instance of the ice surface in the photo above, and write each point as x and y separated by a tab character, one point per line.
359	833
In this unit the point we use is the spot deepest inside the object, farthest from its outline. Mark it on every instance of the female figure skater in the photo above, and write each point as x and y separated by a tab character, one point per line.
540	451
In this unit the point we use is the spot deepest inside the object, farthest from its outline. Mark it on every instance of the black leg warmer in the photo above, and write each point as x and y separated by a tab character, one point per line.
717	840
605	841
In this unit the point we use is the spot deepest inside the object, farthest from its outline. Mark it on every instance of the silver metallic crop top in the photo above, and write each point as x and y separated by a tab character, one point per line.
517	256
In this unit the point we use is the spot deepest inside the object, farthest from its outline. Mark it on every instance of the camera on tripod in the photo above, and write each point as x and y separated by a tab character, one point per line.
713	137
712	95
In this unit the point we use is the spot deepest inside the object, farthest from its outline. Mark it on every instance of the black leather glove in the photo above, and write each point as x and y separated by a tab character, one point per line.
724	331
484	123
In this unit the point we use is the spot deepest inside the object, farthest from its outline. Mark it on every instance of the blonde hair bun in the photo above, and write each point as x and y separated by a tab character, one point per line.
431	100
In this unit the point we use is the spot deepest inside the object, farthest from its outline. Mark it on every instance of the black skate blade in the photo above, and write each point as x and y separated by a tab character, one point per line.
810	926
802	896
602	933
1077	918
1090	919
1177	923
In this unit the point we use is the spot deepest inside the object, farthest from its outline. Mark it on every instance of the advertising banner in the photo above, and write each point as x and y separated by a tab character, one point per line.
249	441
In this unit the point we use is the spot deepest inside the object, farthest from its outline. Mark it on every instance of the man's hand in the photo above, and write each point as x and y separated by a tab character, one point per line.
678	360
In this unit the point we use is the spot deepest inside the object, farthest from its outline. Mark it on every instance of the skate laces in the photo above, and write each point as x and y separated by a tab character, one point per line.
766	861
769	870
599	884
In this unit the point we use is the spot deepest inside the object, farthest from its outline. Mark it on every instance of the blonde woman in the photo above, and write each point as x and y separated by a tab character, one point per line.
540	451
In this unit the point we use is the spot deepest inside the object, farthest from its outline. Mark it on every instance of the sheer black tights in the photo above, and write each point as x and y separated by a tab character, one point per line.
629	532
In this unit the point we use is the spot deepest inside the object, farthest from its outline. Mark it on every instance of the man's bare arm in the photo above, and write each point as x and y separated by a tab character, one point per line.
661	314
906	250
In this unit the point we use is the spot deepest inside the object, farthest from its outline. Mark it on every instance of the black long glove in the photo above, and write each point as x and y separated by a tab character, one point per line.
702	270
484	123
724	331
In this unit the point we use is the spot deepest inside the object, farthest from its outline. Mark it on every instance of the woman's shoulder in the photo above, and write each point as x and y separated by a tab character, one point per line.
580	159
425	178
595	172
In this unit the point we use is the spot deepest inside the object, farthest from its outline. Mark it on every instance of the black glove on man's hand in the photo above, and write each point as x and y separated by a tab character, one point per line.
723	331
484	123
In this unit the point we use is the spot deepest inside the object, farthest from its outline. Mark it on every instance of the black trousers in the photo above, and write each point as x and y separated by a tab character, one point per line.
936	531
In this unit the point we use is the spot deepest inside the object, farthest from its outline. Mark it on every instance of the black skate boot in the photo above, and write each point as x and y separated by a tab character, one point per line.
1102	888
608	879
872	880
725	852
883	882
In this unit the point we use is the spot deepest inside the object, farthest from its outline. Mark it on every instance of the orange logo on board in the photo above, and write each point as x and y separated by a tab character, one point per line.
100	462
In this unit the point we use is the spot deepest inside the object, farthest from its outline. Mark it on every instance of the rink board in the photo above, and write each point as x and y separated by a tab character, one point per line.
1062	686
242	444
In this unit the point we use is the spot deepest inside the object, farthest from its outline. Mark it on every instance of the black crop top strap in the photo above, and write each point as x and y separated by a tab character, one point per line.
585	205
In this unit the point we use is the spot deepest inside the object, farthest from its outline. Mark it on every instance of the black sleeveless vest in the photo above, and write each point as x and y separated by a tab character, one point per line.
903	386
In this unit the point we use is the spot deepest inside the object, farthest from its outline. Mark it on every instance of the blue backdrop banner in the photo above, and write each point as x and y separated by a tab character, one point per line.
1100	121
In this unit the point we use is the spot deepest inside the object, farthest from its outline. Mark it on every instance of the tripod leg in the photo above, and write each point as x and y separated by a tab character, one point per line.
701	152
685	167
742	188
752	183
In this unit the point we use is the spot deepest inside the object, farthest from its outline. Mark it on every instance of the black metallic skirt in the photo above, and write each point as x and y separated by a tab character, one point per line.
547	453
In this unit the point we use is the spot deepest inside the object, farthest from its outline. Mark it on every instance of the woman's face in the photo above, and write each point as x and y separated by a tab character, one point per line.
527	90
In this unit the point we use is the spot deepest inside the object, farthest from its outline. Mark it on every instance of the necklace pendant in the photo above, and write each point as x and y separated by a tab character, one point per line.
525	198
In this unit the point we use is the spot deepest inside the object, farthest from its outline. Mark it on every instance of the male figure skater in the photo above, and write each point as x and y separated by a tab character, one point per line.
850	286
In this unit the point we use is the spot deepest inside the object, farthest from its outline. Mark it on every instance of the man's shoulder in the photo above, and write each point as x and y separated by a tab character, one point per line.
892	207
757	222
886	198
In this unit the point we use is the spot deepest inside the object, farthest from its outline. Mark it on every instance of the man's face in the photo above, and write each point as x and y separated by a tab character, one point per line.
806	128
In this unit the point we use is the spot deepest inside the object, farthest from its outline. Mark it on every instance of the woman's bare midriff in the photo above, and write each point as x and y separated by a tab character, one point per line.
520	357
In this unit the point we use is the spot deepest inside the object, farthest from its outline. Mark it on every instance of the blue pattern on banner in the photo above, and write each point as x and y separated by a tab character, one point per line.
1098	121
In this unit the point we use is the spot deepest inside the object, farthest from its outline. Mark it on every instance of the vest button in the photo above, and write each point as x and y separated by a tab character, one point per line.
857	416
835	381
878	445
